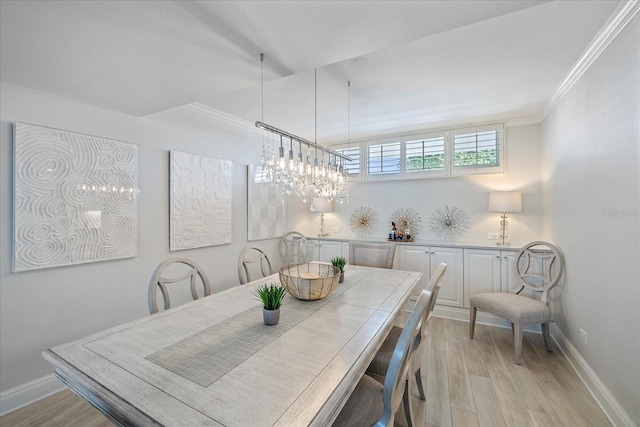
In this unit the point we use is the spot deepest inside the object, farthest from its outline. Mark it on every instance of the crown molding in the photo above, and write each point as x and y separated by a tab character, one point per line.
623	14
212	113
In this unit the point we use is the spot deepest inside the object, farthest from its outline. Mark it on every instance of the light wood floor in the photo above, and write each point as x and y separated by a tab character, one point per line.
468	383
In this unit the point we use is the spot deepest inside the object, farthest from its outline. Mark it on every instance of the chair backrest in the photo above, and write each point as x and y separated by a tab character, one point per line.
538	267
371	254
433	288
252	255
294	248
159	281
398	378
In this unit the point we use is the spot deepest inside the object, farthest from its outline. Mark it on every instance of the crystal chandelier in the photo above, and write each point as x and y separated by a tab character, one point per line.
298	166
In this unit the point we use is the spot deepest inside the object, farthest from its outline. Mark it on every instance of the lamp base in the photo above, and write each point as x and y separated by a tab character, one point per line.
503	244
323	235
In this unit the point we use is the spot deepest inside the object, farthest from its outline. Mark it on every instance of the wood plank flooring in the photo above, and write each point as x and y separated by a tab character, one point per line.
467	382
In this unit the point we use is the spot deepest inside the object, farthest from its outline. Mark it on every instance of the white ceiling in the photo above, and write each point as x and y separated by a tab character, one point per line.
429	63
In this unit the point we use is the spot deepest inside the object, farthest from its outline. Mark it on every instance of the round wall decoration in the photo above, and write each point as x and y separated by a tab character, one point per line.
406	219
363	220
450	222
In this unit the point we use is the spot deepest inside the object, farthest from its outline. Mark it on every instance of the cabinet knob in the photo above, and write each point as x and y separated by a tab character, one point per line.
505	258
497	256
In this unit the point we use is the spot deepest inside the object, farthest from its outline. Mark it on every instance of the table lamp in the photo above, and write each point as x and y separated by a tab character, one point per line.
505	202
321	205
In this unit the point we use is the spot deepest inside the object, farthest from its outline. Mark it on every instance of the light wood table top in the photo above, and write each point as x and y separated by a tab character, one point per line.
213	361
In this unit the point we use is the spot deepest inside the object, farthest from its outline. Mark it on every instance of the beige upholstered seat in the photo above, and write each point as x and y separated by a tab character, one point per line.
252	256
371	254
294	248
521	310
379	365
183	269
372	403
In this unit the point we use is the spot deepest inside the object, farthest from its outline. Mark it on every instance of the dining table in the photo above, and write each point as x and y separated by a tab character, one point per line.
213	361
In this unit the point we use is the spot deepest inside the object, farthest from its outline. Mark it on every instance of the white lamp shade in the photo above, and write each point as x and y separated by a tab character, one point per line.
505	201
322	205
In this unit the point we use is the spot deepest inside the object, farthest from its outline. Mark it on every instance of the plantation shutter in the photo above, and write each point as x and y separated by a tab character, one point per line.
383	158
477	150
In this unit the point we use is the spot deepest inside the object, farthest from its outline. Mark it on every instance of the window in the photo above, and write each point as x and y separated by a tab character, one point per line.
383	158
452	152
477	150
353	165
426	155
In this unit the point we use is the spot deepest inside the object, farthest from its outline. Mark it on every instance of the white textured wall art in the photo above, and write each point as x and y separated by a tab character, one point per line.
267	213
201	212
75	198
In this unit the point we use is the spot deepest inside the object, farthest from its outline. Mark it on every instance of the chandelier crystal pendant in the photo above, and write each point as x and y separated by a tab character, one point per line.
298	166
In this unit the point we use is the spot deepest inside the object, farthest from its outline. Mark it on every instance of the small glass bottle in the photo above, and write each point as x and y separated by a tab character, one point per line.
392	236
407	234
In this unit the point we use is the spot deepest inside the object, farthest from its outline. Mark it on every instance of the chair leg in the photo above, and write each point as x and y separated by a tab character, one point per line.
419	383
472	320
546	336
517	342
406	400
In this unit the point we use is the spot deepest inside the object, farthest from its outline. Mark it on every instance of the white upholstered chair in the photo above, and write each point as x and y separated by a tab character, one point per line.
522	310
182	270
371	254
294	248
372	403
378	367
249	257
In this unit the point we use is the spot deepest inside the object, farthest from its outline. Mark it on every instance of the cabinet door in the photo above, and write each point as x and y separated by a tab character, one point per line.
328	249
507	273
415	258
452	290
482	272
345	250
510	282
314	250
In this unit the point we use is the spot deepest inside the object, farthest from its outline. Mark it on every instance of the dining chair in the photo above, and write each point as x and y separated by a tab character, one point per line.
371	254
523	310
372	403
381	361
251	255
177	266
294	248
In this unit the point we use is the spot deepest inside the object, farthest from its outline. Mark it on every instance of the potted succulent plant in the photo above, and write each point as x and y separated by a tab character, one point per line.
339	262
271	296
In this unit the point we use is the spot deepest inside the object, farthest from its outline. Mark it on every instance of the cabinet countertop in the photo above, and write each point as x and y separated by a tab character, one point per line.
432	243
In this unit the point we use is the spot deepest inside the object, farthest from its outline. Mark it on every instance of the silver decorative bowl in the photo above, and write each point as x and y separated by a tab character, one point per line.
310	280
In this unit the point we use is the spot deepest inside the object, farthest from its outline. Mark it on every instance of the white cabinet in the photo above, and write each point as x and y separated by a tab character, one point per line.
325	250
492	270
425	259
482	272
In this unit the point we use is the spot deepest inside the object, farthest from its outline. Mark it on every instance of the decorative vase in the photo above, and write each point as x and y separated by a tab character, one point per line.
341	277
271	317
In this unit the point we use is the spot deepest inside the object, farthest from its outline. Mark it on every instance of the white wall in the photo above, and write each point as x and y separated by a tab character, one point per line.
470	193
45	308
591	181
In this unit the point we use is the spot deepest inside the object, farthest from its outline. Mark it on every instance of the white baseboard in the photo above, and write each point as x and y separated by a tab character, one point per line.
482	317
612	409
28	393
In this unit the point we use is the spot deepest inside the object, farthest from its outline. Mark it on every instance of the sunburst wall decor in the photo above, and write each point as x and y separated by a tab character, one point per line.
363	220
450	222
406	218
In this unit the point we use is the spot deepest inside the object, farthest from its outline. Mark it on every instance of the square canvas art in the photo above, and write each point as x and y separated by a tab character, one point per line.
75	198
201	211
